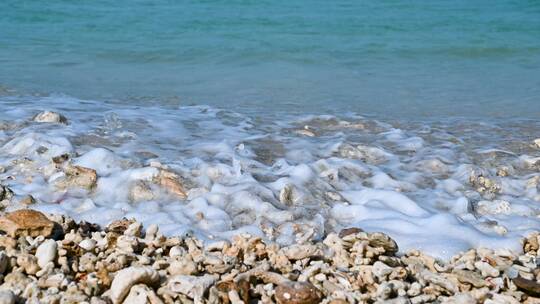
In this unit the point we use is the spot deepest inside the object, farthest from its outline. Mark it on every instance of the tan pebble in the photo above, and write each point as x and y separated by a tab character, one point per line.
26	222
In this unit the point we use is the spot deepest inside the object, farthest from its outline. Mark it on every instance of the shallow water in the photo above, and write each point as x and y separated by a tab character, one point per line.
286	178
388	58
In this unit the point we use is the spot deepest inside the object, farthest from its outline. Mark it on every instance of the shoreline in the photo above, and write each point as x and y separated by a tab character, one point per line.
56	260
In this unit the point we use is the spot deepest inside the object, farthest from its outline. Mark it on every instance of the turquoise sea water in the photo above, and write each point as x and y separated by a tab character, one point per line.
390	58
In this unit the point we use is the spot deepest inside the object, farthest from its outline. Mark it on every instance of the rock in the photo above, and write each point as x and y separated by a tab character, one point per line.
60	159
530	287
119	226
5	193
126	278
191	286
28	262
4	260
537	142
297	293
7	297
77	176
88	244
50	117
378	239
347	231
171	182
141	191
27	200
142	294
46	252
26	222
470	277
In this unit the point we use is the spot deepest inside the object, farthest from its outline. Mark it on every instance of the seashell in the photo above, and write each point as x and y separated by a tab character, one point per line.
142	294
297	293
126	278
46	252
191	286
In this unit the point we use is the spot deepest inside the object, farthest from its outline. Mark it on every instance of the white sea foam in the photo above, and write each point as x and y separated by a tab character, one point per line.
423	183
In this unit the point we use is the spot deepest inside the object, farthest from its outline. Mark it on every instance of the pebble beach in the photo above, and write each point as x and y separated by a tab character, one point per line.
57	260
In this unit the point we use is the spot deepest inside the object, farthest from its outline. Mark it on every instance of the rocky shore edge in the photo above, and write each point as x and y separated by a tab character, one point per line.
53	259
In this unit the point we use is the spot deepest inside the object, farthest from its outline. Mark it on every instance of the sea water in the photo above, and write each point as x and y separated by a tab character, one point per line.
286	119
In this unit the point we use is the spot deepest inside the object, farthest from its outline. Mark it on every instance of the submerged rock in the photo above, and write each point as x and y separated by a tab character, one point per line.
78	177
50	117
26	222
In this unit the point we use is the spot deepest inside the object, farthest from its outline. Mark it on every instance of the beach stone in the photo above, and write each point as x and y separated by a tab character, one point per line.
88	244
348	231
126	278
26	222
119	226
530	287
46	252
7	297
5	193
171	182
142	294
141	191
50	117
297	293
78	176
4	260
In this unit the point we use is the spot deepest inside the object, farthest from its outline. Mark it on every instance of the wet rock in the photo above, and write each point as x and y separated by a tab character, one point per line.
78	177
26	222
119	226
27	200
141	191
348	231
5	193
50	117
297	293
171	182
